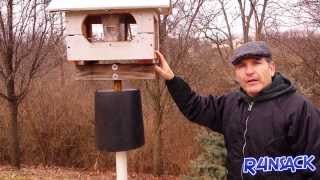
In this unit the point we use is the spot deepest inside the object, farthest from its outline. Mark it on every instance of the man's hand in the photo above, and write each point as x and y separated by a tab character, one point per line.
164	69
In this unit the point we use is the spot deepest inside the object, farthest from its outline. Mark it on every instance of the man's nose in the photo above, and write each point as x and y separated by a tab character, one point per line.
249	70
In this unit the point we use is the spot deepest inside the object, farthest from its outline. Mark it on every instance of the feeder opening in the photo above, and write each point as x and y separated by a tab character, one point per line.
110	27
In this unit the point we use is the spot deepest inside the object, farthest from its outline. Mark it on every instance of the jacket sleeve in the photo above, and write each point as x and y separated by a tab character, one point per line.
304	134
206	111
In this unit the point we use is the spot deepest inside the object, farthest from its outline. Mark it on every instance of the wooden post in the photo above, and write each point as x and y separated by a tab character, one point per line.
117	85
121	157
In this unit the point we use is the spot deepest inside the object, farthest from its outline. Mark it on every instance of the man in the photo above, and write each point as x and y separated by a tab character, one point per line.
271	131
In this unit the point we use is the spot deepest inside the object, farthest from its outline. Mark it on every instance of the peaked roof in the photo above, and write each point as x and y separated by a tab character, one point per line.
82	5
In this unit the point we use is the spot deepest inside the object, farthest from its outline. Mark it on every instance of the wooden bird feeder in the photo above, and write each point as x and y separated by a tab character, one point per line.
112	39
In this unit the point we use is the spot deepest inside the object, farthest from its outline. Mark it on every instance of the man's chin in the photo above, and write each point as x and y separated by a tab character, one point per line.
253	92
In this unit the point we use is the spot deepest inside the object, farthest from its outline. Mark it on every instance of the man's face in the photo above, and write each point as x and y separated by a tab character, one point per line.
254	75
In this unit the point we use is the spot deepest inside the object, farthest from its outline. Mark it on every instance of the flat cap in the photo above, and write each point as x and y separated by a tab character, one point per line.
254	49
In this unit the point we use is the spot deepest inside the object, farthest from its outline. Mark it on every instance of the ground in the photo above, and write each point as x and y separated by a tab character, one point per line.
56	173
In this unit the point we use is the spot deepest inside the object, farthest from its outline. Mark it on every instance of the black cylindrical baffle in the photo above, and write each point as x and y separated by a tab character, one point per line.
119	124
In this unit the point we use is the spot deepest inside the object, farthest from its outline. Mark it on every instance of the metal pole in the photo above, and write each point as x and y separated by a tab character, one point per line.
121	163
121	157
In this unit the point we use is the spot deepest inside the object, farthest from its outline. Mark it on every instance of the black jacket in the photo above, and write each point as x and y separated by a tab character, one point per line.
277	122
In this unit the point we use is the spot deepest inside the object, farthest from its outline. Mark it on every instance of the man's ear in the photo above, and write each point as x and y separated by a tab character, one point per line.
272	68
236	79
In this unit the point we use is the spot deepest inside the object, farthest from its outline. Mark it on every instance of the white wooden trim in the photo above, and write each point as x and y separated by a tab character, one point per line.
82	5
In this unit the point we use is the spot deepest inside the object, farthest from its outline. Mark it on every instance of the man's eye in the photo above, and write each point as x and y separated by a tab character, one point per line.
257	62
240	65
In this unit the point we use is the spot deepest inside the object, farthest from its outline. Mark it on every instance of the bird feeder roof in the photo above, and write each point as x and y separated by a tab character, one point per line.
87	5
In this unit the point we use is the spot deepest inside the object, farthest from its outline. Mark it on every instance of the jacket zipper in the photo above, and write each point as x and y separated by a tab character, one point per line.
245	134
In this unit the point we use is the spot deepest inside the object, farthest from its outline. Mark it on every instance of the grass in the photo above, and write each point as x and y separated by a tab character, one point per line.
56	173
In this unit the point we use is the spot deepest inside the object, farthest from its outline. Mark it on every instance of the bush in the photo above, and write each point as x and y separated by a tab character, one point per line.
211	163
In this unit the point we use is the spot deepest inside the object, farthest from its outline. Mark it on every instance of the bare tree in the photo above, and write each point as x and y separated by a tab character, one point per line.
256	9
246	18
303	46
27	37
219	34
180	25
312	9
219	23
259	18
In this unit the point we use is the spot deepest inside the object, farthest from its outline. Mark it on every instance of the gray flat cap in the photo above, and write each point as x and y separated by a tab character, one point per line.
254	49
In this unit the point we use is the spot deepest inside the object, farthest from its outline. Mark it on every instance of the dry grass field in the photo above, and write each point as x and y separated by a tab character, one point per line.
55	173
